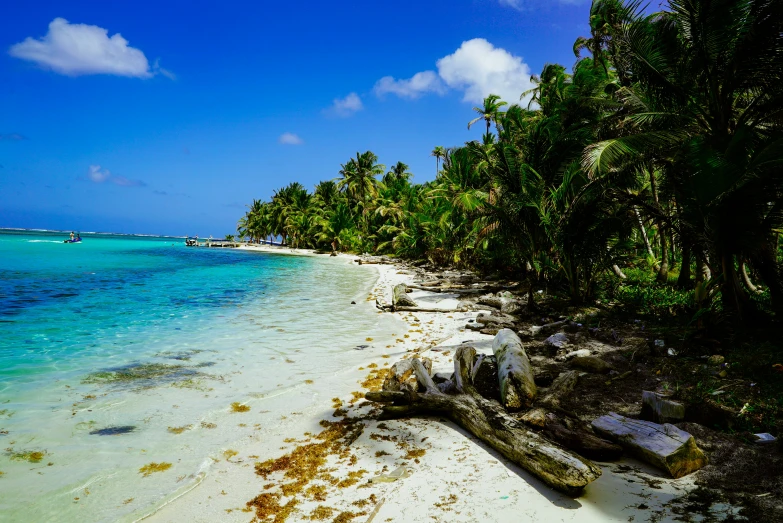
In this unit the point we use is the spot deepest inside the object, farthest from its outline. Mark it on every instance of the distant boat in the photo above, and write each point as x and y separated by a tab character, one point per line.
78	239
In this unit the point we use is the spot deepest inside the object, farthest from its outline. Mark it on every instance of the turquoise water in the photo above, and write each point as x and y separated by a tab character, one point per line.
208	322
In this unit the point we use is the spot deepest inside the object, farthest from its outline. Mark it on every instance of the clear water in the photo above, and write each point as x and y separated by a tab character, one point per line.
219	326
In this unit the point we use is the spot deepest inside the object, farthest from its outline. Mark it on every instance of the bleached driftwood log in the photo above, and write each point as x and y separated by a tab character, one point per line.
402	377
579	439
506	304
555	466
400	297
515	375
664	446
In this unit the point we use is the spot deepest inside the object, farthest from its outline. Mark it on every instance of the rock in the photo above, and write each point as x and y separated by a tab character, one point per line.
556	341
353	303
711	414
664	446
400	297
658	408
575	354
498	320
716	360
546	328
591	364
535	418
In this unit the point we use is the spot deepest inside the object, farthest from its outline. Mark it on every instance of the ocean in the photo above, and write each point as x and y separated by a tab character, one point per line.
128	362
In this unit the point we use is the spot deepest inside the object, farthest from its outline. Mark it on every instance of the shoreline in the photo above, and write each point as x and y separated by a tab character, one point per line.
452	475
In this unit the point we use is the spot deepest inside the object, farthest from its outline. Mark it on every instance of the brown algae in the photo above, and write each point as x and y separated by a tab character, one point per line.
179	430
33	456
239	407
151	468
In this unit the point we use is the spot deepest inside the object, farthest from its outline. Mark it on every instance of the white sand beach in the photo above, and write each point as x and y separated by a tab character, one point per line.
449	475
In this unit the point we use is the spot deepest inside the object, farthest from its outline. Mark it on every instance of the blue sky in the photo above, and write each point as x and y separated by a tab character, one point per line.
199	107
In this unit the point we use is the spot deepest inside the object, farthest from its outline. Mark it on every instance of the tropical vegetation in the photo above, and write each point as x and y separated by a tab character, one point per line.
656	159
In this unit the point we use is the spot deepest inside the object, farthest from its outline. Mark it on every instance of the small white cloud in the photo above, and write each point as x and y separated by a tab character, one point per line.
479	69
345	107
80	49
414	87
290	139
98	175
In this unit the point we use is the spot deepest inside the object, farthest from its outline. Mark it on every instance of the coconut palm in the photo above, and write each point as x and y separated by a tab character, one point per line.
439	152
489	112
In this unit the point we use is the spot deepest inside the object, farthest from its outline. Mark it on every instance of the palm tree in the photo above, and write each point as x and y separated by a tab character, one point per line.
359	180
439	152
488	113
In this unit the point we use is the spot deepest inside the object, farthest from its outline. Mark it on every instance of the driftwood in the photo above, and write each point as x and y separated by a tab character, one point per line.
660	409
562	386
664	446
401	376
555	466
400	297
580	440
515	375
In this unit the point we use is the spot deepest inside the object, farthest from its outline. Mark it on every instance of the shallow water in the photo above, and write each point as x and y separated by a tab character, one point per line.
124	351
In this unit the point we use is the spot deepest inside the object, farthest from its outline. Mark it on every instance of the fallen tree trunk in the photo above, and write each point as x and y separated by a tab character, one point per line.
555	466
400	297
515	375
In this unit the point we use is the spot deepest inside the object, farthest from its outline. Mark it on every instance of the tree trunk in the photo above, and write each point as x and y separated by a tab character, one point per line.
684	279
559	468
618	272
663	268
733	296
765	263
646	239
746	279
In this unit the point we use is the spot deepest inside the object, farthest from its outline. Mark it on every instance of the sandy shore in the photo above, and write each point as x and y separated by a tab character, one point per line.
450	476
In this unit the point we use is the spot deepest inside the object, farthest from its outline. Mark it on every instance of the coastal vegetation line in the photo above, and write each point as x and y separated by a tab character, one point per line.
656	161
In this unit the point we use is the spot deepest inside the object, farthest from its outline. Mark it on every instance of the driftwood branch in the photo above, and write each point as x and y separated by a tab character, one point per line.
487	420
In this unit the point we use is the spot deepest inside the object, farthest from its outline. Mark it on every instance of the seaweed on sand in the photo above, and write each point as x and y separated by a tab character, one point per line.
239	407
33	456
153	467
146	374
302	466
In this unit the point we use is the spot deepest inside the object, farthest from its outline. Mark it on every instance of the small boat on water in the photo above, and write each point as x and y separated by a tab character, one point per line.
74	239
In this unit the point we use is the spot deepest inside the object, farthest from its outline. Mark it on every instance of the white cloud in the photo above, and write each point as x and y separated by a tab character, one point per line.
414	87
290	139
80	49
479	69
97	174
344	107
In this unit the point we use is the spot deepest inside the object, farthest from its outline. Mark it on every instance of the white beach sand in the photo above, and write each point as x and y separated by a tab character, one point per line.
456	478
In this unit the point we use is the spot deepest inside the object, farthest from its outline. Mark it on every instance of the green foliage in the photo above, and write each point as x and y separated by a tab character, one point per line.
663	144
